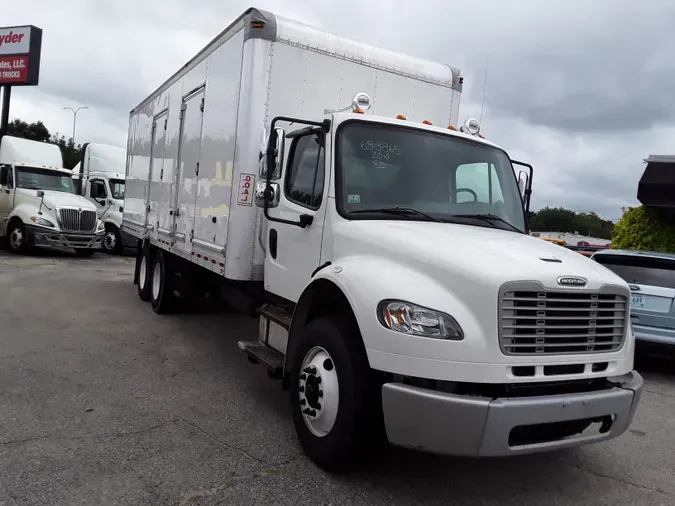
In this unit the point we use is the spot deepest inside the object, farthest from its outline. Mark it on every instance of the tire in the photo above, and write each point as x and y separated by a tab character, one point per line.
144	270
112	240
161	292
17	240
357	415
84	252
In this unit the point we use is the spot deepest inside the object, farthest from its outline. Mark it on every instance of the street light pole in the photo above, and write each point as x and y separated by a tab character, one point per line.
75	111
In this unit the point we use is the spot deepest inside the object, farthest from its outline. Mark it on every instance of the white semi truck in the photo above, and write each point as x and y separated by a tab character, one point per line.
385	249
99	176
39	206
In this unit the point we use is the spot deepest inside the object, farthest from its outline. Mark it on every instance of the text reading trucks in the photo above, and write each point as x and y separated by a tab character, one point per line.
99	176
38	202
399	291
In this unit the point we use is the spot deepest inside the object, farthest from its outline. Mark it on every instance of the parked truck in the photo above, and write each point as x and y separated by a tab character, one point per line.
99	176
385	249
38	202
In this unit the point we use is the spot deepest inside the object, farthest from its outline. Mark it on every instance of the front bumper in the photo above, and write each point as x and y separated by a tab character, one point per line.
450	424
42	237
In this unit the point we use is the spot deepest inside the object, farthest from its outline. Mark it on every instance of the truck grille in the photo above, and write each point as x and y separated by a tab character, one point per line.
76	220
542	322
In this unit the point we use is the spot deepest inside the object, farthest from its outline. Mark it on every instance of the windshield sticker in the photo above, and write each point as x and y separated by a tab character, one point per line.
380	150
354	199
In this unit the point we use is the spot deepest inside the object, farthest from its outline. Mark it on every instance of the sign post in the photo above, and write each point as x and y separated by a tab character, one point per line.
20	49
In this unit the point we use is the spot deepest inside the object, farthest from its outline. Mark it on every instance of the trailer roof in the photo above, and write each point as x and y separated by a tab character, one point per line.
261	24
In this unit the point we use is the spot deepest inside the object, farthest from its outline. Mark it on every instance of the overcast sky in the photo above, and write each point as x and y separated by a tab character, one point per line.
582	89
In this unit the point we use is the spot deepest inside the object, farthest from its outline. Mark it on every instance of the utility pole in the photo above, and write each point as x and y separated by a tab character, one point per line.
4	119
75	111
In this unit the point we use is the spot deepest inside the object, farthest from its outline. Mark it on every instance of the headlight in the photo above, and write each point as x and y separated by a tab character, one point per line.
41	221
100	227
416	320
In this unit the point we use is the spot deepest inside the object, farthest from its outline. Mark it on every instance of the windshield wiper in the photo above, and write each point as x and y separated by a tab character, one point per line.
489	218
401	211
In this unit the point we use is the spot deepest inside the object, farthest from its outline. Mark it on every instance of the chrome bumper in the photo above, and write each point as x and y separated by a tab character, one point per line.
51	239
450	424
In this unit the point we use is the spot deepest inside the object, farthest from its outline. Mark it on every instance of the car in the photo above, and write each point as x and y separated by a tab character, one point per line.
651	277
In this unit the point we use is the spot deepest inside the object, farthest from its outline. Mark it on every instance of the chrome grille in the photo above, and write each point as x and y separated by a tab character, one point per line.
542	322
76	220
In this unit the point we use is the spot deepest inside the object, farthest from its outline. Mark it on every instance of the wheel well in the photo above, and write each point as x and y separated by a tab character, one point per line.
12	221
321	298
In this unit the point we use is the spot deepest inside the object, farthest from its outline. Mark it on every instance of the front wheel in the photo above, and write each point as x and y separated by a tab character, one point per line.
335	400
112	240
17	240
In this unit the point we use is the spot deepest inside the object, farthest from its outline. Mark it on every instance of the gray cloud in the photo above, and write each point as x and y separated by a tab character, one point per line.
581	89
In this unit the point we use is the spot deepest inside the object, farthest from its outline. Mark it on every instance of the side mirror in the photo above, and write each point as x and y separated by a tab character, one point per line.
522	183
272	194
40	194
274	158
100	201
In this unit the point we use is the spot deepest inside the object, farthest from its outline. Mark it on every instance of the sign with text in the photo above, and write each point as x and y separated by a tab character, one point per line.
20	49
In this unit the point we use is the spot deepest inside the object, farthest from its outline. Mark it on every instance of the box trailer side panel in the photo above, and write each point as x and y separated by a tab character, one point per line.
191	151
138	164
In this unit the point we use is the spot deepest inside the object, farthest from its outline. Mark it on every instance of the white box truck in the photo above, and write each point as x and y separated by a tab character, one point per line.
99	176
386	250
38	202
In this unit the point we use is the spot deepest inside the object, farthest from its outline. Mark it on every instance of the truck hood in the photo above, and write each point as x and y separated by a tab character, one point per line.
62	199
470	254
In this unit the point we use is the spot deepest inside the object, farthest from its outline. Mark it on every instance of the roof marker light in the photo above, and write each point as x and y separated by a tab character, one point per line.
450	127
427	122
400	116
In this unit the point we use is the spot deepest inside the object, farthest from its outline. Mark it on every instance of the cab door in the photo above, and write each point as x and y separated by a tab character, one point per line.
294	251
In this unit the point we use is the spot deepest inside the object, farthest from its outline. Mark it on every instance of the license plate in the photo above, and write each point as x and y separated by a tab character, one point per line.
637	301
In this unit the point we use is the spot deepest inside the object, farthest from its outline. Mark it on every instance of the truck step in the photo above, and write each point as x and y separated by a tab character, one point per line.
260	353
276	314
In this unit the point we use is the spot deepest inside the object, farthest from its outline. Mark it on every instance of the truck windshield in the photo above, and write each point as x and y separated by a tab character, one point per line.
397	172
117	188
34	178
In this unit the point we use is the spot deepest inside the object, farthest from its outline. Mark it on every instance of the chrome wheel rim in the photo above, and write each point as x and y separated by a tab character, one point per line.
142	273
16	238
156	281
109	241
318	391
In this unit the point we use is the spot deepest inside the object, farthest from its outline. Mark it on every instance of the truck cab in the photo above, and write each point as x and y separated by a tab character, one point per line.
99	176
426	272
39	206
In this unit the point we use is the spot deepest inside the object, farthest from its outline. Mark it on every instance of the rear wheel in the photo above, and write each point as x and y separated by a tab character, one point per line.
161	291
144	263
335	399
17	240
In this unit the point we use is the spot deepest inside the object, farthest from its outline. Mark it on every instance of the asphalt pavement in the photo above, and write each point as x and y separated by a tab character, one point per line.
104	402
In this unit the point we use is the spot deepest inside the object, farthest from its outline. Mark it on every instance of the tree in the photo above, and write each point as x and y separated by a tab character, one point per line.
559	219
33	131
644	229
38	132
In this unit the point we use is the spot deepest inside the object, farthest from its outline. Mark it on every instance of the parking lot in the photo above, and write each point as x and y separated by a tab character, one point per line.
104	402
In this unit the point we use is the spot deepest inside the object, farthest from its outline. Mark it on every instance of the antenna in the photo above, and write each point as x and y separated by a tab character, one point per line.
482	102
